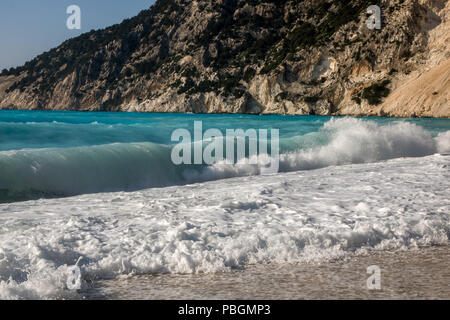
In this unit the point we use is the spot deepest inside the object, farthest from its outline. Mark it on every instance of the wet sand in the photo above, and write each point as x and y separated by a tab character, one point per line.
413	274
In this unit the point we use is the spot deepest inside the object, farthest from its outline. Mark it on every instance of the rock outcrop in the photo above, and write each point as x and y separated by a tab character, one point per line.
260	57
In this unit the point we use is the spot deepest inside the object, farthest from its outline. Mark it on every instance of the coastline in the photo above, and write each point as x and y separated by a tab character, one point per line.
361	115
400	70
411	274
226	151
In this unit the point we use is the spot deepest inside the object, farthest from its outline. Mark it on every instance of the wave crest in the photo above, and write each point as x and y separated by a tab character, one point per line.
28	174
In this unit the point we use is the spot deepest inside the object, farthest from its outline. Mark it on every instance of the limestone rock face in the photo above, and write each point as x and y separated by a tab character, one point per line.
258	57
427	95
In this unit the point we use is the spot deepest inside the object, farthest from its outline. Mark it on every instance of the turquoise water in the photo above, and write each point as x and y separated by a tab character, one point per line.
46	154
60	129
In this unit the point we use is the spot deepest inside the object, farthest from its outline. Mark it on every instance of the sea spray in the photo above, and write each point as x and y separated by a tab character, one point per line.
55	172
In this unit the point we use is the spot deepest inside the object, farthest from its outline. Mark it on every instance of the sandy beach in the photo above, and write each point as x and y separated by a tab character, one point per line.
412	274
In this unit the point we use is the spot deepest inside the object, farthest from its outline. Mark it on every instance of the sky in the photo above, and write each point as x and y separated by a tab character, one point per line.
31	27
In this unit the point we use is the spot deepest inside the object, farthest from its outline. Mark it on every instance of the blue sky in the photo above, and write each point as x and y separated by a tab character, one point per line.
30	27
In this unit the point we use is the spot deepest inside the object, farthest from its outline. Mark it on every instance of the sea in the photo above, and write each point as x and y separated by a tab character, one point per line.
99	193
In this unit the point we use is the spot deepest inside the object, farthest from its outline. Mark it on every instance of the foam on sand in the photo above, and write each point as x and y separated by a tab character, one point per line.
313	215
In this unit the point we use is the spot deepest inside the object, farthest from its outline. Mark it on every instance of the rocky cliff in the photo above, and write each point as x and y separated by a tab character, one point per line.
254	56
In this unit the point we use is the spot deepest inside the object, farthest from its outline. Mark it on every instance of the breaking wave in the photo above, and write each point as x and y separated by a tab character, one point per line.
55	172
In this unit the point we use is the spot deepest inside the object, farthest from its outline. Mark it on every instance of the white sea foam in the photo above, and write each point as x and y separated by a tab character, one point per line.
322	214
356	141
349	140
443	142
